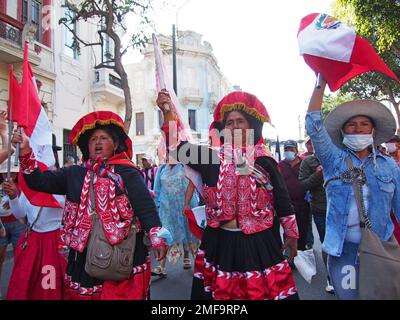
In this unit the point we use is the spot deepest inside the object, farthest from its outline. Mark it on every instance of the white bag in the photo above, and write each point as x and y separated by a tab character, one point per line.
306	264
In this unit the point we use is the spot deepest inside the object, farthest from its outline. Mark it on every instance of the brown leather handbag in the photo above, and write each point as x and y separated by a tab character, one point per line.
103	260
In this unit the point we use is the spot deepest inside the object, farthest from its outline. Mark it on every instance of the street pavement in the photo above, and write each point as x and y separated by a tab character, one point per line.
177	284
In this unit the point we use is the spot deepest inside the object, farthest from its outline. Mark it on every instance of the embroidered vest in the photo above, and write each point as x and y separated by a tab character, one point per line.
238	197
115	213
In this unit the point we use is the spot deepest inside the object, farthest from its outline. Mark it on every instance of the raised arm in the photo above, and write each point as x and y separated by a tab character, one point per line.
324	148
195	156
317	97
53	182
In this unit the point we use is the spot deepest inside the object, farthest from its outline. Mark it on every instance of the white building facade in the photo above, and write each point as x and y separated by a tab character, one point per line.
71	86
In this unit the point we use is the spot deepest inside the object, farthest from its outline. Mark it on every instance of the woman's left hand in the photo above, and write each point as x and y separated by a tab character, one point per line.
160	252
291	244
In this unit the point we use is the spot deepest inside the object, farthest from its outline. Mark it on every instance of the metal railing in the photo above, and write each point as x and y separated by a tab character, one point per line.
11	29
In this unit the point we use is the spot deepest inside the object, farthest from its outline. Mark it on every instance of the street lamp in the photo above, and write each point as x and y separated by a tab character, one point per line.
174	73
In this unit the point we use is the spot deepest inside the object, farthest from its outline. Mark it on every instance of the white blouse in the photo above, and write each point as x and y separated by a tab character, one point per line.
50	218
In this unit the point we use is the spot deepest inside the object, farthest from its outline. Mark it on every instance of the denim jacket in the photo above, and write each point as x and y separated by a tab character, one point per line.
383	184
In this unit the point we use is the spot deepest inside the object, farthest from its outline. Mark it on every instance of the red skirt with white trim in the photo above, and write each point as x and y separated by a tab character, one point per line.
80	286
38	272
234	266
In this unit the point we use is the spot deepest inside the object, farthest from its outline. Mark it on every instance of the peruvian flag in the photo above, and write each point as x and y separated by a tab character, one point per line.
197	221
28	112
334	50
14	92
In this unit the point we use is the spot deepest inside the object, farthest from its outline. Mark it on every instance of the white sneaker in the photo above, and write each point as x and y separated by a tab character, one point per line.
329	288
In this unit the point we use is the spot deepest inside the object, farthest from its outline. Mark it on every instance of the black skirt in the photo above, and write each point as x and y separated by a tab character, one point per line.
232	265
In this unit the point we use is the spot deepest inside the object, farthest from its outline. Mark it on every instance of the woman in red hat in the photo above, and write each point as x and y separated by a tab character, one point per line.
240	256
121	199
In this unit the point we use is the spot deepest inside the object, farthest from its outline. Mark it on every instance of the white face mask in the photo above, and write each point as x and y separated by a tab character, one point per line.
358	142
391	147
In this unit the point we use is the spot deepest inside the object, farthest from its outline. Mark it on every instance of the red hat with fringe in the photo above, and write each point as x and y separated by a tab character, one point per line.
79	133
239	100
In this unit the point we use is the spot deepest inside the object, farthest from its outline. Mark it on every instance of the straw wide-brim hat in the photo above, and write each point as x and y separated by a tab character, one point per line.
384	122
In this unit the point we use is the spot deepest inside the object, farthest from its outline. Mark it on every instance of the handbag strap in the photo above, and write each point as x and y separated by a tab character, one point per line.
30	227
92	199
358	180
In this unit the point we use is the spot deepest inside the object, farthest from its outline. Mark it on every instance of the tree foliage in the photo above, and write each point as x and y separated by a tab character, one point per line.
110	17
378	21
331	101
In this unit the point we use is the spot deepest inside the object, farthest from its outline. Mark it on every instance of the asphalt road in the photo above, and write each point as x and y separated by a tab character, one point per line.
177	284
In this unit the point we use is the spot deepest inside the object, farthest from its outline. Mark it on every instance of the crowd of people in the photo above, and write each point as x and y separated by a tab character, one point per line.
259	212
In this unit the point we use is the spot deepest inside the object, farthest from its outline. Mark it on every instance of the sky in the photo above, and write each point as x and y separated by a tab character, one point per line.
255	43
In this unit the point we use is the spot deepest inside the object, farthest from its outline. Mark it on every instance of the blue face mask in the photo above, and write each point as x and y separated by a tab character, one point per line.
290	155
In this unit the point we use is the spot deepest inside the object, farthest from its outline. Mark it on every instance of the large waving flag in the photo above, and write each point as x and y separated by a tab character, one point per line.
14	92
333	49
30	115
184	131
163	82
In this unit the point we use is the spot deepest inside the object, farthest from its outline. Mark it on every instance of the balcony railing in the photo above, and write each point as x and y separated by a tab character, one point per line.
11	29
192	95
108	85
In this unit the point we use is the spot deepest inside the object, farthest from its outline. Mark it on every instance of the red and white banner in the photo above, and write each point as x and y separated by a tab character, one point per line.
333	49
163	82
184	131
28	112
14	91
197	221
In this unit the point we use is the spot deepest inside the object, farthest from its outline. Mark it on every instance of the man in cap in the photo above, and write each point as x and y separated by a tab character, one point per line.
393	148
312	179
309	147
290	167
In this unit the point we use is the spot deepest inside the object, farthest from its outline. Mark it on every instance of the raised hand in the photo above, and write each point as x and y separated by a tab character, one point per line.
3	122
10	188
23	140
164	101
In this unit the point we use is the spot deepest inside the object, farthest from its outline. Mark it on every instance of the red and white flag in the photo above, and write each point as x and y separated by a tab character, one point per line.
183	128
333	49
14	92
197	221
30	115
163	82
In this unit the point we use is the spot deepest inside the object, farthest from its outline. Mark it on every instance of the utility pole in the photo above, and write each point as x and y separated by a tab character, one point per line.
174	35
175	80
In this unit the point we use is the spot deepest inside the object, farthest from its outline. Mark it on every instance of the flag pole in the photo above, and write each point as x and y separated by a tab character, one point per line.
17	150
318	83
10	127
159	68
